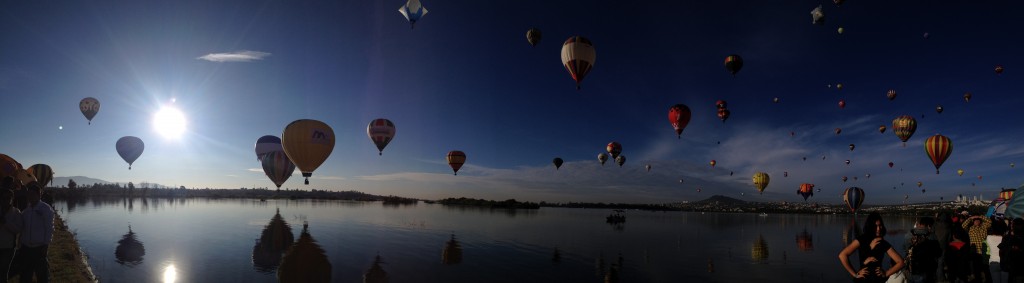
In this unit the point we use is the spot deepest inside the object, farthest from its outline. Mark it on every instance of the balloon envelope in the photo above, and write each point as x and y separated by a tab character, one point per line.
558	162
278	167
89	106
1015	208
533	36
679	117
614	148
381	132
602	157
8	166
578	56
455	160
853	197
43	173
939	148
267	144
904	127
130	148
620	160
761	180
733	64
413	11
307	143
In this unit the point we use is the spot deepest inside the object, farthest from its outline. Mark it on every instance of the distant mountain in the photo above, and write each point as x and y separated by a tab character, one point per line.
721	200
81	180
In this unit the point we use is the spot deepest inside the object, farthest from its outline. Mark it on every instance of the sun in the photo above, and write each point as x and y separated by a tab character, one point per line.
169	122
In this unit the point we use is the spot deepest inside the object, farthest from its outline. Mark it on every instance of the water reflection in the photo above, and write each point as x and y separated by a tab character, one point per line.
305	261
804	241
759	252
274	240
452	252
129	251
376	273
851	232
170	274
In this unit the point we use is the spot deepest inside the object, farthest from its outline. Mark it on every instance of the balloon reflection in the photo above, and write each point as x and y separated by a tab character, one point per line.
851	232
804	241
273	241
452	252
376	273
759	252
129	249
305	261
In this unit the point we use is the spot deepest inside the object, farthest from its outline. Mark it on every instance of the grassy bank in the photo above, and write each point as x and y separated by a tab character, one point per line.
67	262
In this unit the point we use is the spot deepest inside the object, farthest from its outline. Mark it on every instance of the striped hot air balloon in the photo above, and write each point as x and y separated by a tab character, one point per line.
43	173
1007	194
904	127
938	148
455	160
278	167
679	117
733	64
381	132
806	190
578	56
307	143
761	180
267	144
891	94
853	197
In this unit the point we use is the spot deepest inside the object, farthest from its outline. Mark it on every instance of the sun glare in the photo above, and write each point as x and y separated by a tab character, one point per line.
169	122
170	274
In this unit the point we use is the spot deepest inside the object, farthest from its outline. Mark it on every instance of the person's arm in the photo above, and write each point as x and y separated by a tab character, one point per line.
844	258
898	262
985	223
966	223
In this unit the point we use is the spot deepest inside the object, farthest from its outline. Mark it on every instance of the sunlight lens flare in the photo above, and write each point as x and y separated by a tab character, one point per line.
170	274
169	122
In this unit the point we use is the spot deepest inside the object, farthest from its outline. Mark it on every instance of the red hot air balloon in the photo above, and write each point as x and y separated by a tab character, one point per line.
842	104
838	130
721	104
455	160
891	94
939	148
679	117
881	129
805	190
614	148
723	114
578	57
713	162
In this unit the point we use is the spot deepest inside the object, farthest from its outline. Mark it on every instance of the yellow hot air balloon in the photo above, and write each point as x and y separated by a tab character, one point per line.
307	143
761	181
960	172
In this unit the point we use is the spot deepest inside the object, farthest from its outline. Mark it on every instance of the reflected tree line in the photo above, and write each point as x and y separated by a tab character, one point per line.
75	190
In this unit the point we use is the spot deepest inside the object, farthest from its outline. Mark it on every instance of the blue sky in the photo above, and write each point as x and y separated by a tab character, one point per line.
465	78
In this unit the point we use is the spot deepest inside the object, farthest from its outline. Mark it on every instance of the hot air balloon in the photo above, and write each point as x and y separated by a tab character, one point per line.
960	172
602	157
679	116
413	11
614	148
278	167
838	130
533	36
967	97
785	174
130	148
867	175
775	100
761	181
839	86
817	16
733	63
999	69
890	164
730	173
267	144
381	132
805	190
842	104
1007	194
8	166
853	197
620	160
578	57
680	181
891	94
455	160
723	114
805	158
924	190
881	129
847	162
852	146
919	184
838	2
648	167
307	143
906	196
904	127
840	30
938	109
939	148
89	106
979	177
43	173
713	163
721	104
844	178
558	162
925	35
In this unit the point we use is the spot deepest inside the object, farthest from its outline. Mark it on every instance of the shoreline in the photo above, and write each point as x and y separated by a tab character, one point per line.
68	263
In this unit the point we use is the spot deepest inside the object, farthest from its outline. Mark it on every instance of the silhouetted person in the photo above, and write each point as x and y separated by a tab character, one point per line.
35	237
10	226
376	273
923	252
452	252
1011	252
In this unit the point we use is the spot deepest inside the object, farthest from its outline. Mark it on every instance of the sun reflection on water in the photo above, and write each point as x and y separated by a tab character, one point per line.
170	274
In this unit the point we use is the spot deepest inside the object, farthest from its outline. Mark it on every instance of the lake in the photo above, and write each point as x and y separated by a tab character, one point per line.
218	240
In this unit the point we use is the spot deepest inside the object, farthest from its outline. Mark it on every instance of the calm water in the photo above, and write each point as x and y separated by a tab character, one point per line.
203	240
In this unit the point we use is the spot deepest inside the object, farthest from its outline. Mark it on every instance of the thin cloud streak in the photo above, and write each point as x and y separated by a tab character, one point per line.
238	56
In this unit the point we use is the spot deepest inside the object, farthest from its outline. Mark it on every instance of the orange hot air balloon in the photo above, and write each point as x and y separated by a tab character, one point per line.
679	116
721	104
881	129
307	143
455	160
938	148
713	163
805	190
904	127
723	114
614	148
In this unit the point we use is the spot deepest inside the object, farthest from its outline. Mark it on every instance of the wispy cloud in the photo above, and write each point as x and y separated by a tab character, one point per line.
238	56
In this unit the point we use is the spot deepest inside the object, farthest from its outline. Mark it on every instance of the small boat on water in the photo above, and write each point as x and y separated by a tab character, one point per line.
763	214
616	218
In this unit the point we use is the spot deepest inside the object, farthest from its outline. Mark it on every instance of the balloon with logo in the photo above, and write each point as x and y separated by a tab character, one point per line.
267	144
43	173
381	132
578	56
455	160
939	148
761	181
679	116
89	107
307	143
853	197
130	148
277	166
